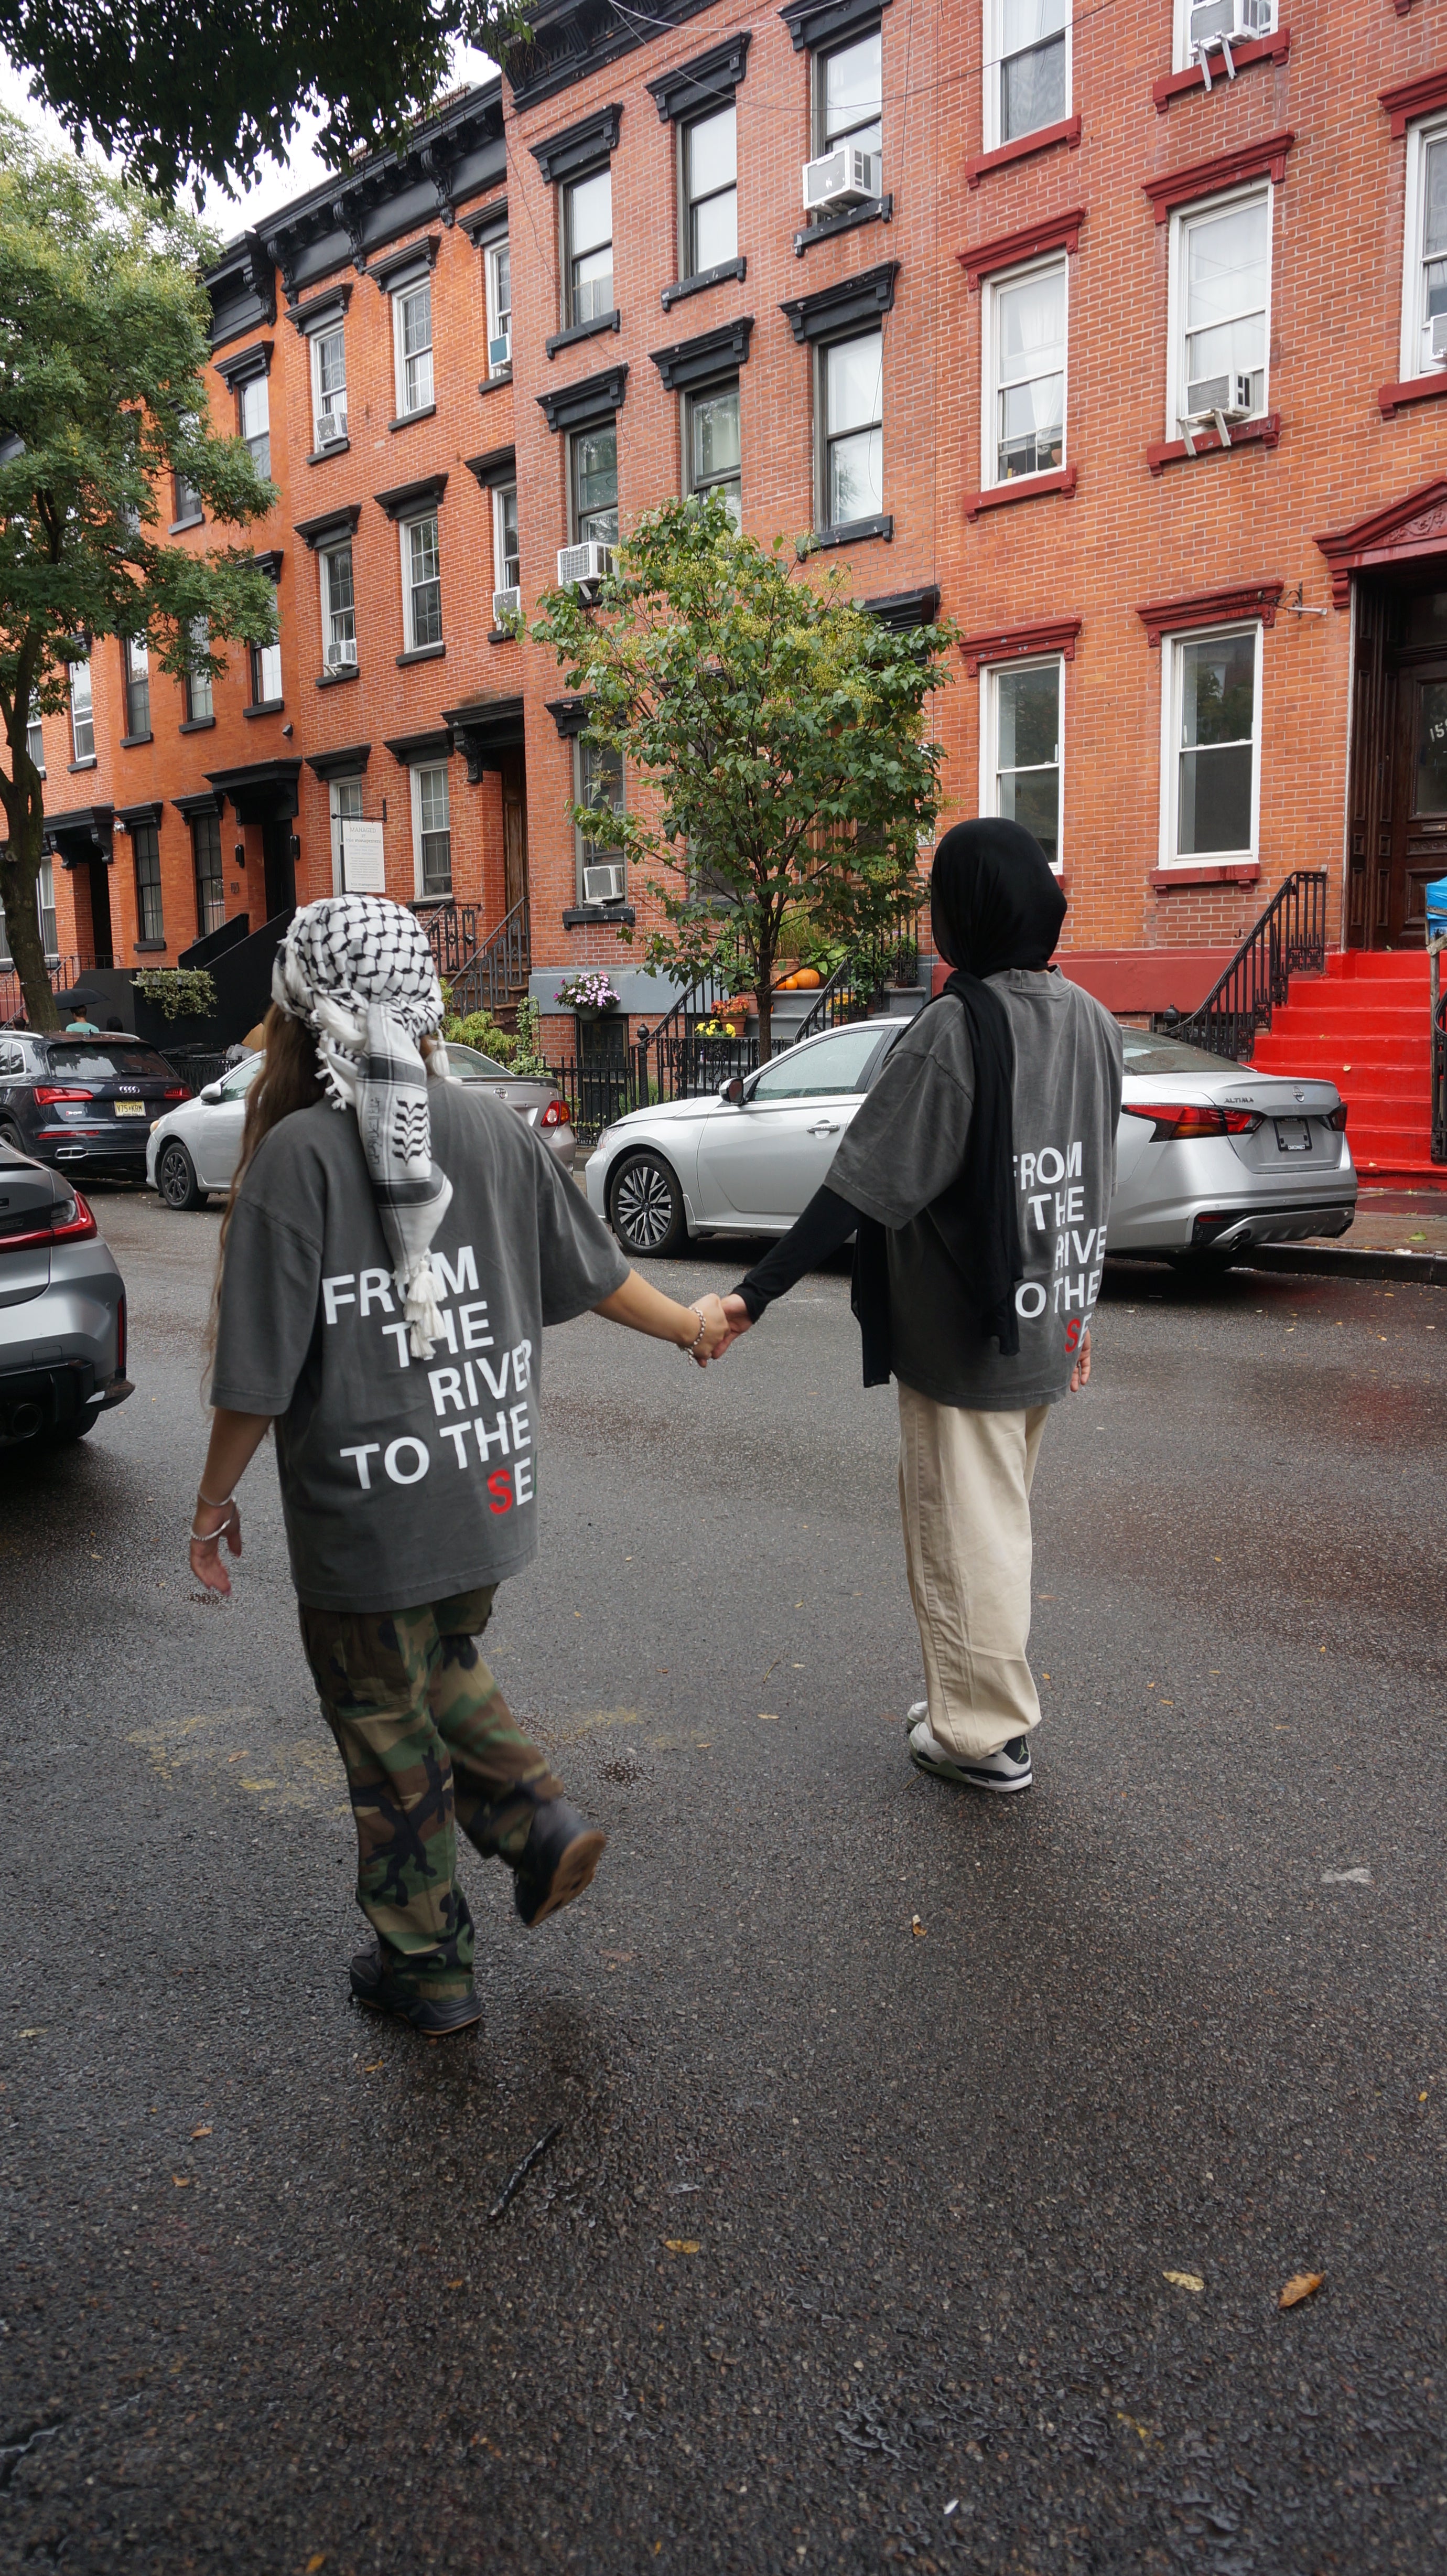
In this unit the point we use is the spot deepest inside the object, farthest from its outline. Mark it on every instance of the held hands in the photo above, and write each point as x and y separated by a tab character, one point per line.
1080	1374
713	1335
215	1521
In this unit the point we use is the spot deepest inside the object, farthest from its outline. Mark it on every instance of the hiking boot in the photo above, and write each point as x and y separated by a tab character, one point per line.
1008	1769
372	1986
556	1862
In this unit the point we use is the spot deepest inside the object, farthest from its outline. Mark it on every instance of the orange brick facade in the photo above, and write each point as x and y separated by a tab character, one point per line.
1346	436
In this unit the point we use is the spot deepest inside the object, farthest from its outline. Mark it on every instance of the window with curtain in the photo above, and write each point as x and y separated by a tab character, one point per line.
1027	332
344	800
1216	709
1424	303
1222	277
1028	67
146	847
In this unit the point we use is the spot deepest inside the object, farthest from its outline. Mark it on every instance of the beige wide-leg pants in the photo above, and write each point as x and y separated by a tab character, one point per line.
964	1498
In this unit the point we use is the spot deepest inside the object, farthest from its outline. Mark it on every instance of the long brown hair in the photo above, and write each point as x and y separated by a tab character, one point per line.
288	1080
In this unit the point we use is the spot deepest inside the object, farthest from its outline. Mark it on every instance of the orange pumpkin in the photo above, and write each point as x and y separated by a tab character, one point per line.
808	980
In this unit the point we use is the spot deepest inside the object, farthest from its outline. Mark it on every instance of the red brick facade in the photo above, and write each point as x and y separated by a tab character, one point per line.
1320	123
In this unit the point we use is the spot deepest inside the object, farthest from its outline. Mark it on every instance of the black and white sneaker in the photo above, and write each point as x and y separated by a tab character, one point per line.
1001	1772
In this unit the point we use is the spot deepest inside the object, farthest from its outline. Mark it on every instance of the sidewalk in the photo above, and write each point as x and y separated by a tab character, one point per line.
1397	1234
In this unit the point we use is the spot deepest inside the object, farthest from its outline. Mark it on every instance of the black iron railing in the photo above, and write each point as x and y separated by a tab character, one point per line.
495	977
1289	939
855	987
451	934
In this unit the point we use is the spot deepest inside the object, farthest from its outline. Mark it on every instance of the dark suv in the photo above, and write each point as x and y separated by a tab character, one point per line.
90	1101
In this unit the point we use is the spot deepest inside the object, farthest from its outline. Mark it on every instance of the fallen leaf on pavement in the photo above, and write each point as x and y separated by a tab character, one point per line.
768	1717
1299	2287
1185	2280
32	2034
454	2285
680	2245
200	2133
313	2563
181	2181
376	2066
917	1928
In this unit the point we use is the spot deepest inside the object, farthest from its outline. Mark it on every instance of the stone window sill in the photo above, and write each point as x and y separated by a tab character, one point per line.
706	277
197	724
490	384
1394	398
338	447
338	679
501	635
875	210
421	653
583	916
1186	873
1023	487
583	331
1245	433
405	419
72	766
176	529
1022	146
856	532
1259	49
149	947
132	741
264	707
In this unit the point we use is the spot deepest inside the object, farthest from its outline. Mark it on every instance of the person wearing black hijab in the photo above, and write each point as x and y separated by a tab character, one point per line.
976	1180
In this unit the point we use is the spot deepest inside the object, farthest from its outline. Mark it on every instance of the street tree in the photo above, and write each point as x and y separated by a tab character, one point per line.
103	338
177	93
780	735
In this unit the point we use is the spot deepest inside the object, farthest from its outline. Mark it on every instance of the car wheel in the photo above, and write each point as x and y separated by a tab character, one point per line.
176	1177
646	1207
10	1135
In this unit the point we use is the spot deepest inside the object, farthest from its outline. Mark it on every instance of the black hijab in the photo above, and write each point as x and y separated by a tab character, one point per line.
994	903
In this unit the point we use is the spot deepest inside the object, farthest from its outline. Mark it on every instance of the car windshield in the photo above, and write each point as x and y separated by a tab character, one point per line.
110	1064
471	1065
1145	1053
835	1064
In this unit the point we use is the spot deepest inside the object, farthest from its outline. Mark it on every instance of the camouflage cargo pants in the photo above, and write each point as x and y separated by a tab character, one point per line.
429	1744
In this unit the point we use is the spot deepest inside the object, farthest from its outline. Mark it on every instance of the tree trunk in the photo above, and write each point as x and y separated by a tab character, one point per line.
19	876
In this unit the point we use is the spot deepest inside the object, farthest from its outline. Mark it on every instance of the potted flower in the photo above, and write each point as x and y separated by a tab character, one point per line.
589	995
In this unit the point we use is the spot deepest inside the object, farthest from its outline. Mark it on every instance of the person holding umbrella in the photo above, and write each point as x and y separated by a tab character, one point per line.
976	1179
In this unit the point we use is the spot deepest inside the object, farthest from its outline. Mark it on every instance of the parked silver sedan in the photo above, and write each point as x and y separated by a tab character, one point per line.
1211	1156
62	1309
193	1150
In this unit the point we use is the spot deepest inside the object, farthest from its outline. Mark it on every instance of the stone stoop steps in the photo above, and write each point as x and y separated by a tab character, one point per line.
1366	1026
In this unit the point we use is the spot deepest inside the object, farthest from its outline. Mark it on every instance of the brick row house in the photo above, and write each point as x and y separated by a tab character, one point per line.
1120	340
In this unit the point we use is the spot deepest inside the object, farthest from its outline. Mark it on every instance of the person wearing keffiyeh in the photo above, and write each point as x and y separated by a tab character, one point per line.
393	1248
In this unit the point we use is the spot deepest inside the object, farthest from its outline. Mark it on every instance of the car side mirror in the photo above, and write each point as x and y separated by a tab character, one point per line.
732	1091
212	1093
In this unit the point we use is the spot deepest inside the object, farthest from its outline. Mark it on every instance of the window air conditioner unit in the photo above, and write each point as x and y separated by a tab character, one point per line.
603	885
1438	328
343	656
1218	404
506	603
499	351
331	427
1225	23
581	564
844	177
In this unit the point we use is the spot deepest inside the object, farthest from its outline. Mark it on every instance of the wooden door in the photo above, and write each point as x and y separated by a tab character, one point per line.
1419	764
514	829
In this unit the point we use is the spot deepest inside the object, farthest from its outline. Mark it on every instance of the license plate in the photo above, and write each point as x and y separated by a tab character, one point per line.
129	1108
1293	1135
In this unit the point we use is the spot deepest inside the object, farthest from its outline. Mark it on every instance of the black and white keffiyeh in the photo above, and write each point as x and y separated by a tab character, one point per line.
358	970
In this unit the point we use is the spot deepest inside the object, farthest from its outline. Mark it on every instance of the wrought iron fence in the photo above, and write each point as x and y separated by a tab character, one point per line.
1289	939
678	1066
892	957
451	930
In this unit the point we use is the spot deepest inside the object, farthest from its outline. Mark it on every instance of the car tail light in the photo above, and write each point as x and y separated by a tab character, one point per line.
121	1336
46	1092
72	1227
180	1091
555	1114
1183	1118
1338	1118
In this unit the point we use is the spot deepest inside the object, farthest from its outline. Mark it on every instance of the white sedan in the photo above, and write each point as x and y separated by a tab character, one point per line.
1211	1157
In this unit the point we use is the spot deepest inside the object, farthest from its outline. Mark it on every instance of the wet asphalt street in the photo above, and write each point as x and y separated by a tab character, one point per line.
887	2115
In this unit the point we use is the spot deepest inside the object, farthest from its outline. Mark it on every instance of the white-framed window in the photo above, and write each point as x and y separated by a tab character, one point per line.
329	385
597	780
1220	308
253	414
412	346
588	247
497	271
849	94
339	608
1211	745
1202	25
82	713
507	570
709	194
136	669
35	743
266	673
1023	377
1022	737
421	583
850	410
711	444
197	686
593	477
344	805
1424	277
1027	67
431	829
45	906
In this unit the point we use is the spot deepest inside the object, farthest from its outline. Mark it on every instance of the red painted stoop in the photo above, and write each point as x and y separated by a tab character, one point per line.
1366	1025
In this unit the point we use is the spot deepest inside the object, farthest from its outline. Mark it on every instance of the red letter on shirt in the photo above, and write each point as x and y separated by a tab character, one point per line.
499	1485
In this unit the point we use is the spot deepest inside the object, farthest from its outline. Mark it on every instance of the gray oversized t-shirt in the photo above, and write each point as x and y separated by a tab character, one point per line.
907	1144
403	1480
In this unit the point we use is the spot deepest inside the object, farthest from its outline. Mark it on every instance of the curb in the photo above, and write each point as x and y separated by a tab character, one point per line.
1320	1262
